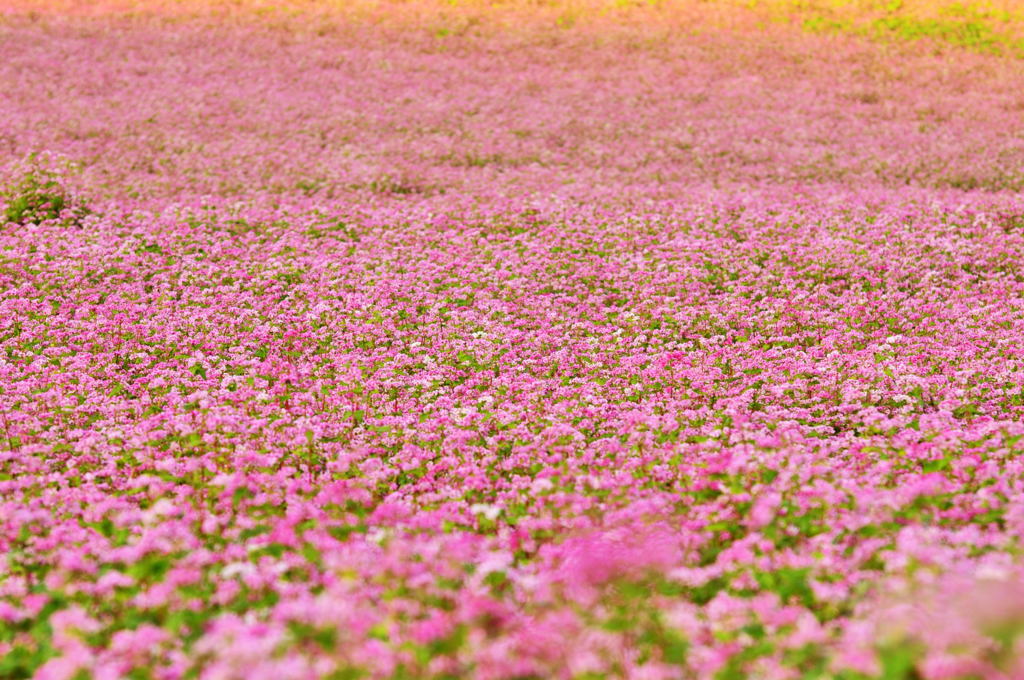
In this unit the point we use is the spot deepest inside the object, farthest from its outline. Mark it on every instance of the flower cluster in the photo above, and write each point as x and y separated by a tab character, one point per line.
440	361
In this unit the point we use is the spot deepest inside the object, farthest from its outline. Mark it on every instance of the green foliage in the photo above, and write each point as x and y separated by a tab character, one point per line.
39	196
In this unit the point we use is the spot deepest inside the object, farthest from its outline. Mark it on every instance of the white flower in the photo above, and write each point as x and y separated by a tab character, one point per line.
491	512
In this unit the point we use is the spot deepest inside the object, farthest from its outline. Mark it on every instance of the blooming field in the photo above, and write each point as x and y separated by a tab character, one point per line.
335	346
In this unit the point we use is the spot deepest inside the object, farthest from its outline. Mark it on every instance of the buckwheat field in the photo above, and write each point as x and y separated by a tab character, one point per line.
521	340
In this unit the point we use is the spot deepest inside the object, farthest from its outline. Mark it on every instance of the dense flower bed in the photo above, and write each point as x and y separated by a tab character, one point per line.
685	360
